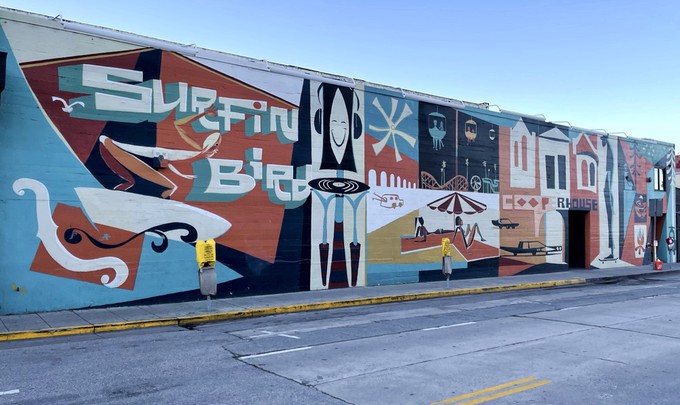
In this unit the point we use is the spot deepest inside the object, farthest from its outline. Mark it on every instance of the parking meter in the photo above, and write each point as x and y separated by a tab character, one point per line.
446	259
207	276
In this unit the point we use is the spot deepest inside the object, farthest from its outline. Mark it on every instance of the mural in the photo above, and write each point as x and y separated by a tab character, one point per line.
117	159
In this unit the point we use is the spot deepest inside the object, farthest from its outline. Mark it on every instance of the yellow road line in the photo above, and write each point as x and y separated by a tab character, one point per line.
495	388
506	393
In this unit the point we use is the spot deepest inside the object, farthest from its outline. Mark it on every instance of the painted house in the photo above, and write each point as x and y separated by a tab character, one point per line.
120	152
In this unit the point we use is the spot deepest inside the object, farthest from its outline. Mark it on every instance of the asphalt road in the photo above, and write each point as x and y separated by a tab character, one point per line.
597	344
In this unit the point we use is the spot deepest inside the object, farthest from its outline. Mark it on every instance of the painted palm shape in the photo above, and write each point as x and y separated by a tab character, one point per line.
640	244
457	203
391	131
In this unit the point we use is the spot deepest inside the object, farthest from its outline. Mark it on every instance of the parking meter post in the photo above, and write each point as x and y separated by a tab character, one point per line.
446	259
207	276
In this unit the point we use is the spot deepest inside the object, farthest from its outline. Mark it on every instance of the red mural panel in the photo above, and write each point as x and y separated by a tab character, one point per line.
406	170
72	231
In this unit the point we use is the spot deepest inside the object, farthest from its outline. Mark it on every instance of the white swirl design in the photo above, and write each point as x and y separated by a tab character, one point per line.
47	232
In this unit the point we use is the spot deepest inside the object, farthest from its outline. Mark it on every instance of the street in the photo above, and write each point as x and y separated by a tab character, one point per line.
614	343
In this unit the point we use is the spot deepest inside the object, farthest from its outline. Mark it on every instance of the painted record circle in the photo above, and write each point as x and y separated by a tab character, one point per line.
338	185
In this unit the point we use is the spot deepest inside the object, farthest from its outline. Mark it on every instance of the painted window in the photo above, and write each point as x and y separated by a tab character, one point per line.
592	174
584	173
562	170
524	153
550	172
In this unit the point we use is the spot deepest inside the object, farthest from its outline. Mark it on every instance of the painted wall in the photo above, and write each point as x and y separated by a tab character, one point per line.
116	159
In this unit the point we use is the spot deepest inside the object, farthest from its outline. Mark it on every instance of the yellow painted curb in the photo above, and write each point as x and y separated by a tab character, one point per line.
43	333
249	313
151	323
315	306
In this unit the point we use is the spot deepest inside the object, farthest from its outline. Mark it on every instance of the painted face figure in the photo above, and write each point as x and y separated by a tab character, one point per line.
339	127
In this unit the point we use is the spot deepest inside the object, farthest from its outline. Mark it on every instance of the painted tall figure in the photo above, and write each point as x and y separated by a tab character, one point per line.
339	126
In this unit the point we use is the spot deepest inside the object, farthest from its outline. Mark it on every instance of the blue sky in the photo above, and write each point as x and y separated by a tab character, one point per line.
599	64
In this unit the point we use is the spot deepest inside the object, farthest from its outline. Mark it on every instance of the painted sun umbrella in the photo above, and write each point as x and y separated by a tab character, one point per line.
457	203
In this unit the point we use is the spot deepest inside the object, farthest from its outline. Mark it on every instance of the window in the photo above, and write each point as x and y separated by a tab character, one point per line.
516	147
584	173
550	172
524	153
592	174
659	179
562	170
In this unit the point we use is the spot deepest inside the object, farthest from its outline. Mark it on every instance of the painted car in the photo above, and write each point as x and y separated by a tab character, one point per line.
505	223
390	200
532	247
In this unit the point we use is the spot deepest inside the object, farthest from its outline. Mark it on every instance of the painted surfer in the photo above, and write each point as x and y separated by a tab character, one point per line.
124	158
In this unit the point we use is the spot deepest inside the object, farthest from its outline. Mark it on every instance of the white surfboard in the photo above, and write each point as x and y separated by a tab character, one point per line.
137	213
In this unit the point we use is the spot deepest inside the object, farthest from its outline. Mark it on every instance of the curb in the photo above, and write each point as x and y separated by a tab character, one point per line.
616	279
355	302
86	329
193	320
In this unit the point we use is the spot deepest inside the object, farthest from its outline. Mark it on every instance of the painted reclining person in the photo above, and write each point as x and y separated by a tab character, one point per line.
124	158
422	232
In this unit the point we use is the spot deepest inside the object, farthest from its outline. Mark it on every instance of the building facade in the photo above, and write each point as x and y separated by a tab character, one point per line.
676	234
120	152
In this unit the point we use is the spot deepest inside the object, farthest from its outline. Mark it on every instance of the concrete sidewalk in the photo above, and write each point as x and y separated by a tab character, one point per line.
84	321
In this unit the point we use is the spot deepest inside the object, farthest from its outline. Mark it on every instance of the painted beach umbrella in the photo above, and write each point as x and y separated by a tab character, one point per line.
457	203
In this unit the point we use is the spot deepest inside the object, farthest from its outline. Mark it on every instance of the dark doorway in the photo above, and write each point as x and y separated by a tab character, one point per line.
576	253
662	251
